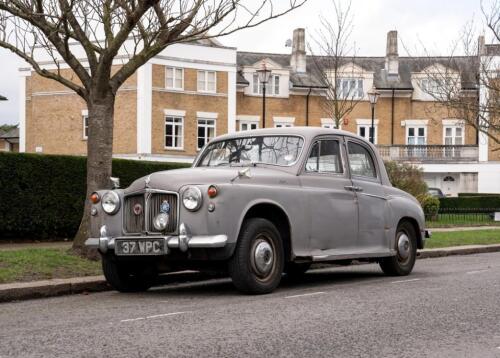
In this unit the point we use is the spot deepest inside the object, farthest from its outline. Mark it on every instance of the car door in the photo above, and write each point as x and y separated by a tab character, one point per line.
332	209
371	197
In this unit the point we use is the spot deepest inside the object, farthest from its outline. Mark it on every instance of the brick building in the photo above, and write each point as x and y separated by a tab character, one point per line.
190	93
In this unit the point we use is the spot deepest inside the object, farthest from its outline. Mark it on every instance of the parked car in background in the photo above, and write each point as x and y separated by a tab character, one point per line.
259	203
436	192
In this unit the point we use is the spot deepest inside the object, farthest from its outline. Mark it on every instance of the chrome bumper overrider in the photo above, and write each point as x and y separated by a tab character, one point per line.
183	241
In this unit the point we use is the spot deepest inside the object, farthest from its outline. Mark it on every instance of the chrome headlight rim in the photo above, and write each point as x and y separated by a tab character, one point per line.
197	192
115	202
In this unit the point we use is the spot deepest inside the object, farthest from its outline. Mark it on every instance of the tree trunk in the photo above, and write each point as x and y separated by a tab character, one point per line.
99	159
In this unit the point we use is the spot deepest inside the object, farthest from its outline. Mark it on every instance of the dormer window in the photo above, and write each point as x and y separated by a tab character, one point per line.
350	88
434	85
272	86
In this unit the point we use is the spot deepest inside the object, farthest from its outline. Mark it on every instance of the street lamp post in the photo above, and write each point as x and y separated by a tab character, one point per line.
373	97
264	75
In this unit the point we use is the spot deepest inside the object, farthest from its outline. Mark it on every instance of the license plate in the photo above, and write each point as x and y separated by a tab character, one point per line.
140	247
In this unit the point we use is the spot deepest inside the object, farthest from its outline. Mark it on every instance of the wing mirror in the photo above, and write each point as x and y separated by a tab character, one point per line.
243	173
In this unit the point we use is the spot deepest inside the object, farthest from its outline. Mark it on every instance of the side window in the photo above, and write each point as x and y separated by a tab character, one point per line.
361	161
325	157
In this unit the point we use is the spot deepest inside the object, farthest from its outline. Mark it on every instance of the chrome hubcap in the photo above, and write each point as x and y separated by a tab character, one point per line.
403	246
263	257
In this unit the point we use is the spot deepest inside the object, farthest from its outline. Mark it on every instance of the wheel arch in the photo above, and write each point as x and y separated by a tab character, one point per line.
275	213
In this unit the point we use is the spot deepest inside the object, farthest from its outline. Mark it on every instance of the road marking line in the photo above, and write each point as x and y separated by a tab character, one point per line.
165	314
153	316
403	281
132	319
476	271
305	294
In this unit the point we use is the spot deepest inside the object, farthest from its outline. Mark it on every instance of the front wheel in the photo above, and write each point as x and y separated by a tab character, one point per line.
128	278
406	252
257	263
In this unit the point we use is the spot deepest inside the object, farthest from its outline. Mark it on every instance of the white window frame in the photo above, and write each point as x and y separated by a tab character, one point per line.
173	87
270	85
204	80
367	123
453	124
283	122
206	126
328	123
355	92
416	127
248	124
174	124
85	124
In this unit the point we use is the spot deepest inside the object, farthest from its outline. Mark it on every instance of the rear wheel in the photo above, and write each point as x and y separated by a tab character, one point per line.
406	252
257	263
125	277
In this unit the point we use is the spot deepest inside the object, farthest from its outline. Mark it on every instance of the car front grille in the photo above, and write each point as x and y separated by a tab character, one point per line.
141	219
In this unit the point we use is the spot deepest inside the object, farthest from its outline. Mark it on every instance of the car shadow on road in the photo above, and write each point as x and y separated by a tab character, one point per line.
208	286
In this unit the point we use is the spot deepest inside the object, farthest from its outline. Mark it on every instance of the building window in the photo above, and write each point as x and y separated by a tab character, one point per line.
453	135
350	88
206	81
174	132
272	86
364	131
85	120
247	125
328	125
435	86
282	125
416	136
206	131
174	78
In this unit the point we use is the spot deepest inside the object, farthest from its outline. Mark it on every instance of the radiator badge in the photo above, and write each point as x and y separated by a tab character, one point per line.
165	207
137	209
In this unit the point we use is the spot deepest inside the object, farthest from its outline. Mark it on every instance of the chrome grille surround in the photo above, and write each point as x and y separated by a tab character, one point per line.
150	200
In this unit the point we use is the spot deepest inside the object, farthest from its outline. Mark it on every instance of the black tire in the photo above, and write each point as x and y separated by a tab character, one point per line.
297	269
127	277
398	265
257	233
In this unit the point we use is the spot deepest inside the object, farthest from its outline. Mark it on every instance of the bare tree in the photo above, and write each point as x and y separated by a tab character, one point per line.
334	62
90	35
468	85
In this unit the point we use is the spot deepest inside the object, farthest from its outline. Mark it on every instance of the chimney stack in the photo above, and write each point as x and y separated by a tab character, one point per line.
298	58
481	47
391	57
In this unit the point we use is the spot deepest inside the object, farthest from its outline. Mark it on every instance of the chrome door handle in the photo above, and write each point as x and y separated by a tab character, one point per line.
353	188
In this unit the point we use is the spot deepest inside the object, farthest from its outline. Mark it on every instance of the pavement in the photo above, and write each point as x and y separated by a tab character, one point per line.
448	307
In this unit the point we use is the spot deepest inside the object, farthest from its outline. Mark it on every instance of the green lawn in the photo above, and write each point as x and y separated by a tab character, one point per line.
458	238
40	264
466	219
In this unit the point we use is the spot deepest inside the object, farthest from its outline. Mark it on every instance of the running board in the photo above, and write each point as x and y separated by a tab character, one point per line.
366	255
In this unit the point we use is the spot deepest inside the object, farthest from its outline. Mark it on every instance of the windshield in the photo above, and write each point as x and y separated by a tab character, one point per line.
274	150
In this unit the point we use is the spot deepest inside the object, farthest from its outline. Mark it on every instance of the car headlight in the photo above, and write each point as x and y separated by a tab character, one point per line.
192	198
161	221
110	202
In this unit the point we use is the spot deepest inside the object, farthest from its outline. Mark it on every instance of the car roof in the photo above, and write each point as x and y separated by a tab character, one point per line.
307	132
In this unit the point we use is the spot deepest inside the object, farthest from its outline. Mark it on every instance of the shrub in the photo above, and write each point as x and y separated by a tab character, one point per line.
430	205
472	202
42	196
408	178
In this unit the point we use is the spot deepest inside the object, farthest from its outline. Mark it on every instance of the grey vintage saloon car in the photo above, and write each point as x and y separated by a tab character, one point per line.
259	204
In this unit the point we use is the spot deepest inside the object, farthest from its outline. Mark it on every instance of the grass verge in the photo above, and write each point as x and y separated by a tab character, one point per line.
43	263
459	238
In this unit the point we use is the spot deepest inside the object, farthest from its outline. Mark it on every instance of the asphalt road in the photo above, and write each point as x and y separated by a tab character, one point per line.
449	307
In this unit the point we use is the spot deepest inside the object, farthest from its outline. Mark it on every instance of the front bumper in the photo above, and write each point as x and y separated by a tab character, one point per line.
183	241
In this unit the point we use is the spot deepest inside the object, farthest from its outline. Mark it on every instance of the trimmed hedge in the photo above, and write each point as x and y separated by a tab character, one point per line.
471	202
476	194
42	196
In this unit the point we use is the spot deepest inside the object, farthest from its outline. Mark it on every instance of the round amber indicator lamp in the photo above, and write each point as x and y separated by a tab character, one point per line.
94	198
212	191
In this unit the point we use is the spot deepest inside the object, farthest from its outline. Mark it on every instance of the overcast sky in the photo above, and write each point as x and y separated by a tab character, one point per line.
436	23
